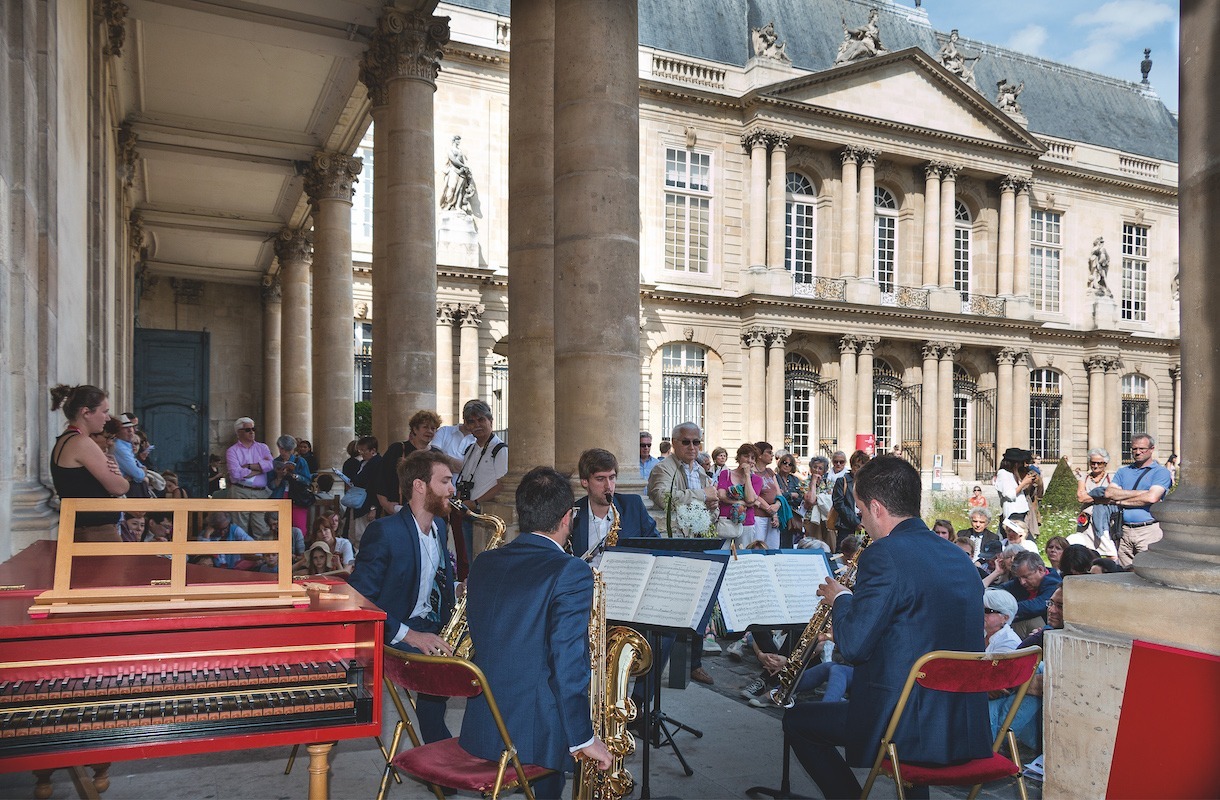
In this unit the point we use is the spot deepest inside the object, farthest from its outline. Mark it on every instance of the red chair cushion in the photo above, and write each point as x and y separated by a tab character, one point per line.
443	680
982	675
445	763
980	770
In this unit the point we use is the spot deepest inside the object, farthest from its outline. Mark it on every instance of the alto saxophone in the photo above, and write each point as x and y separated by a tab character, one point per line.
611	535
456	632
803	650
614	656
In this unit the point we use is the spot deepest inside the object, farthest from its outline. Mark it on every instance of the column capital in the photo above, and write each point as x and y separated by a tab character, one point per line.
446	314
292	245
930	349
933	169
1022	359
779	141
1007	356
1095	364
755	336
868	156
127	154
948	351
405	44
753	139
1009	183
135	235
948	172
1113	363
850	153
778	337
472	315
849	344
868	343
1175	373
113	14
272	290
330	176
1025	186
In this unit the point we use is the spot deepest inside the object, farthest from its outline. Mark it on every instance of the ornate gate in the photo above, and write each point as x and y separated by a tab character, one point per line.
910	409
826	406
984	434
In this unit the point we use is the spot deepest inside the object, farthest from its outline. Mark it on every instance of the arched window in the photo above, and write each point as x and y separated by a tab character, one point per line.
961	249
886	245
964	390
1135	410
1045	413
683	385
886	386
800	384
799	211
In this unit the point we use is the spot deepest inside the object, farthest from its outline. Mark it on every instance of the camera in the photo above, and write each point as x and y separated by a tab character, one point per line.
464	489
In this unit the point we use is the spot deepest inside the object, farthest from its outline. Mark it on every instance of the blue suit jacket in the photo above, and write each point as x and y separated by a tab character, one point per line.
528	606
387	571
915	592
633	521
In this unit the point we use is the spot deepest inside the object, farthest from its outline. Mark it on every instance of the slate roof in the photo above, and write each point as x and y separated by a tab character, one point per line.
1059	100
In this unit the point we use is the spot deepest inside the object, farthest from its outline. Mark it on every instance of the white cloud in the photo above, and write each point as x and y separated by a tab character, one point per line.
1029	39
1124	20
1097	56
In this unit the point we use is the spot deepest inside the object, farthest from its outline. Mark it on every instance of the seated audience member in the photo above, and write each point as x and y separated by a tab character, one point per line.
133	528
1076	560
1054	550
319	560
1032	585
172	490
1027	724
1016	531
219	528
269	562
158	526
980	518
204	560
988	558
772	653
298	537
944	529
967	545
999	609
340	548
1002	569
1105	566
849	547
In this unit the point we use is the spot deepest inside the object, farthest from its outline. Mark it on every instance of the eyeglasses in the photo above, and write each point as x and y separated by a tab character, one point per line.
1097	463
645	444
689	442
991	611
1052	603
838	461
246	430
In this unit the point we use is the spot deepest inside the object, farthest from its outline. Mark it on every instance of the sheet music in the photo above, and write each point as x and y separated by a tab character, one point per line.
673	592
749	594
799	577
705	597
626	576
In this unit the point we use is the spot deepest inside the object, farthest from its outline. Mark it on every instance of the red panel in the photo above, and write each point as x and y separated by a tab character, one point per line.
1168	735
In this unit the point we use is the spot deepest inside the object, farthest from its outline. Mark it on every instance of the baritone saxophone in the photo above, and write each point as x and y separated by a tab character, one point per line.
456	632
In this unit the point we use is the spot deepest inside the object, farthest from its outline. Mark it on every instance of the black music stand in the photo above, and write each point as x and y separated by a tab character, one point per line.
784	792
659	728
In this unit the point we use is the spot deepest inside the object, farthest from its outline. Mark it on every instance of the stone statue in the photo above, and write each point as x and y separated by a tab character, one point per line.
863	41
1146	65
1006	95
1174	286
1099	268
767	43
459	182
958	62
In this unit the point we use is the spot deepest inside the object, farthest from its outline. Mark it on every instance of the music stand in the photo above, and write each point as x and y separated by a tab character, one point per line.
654	718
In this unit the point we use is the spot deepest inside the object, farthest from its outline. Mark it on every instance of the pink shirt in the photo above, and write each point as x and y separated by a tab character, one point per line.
257	453
725	481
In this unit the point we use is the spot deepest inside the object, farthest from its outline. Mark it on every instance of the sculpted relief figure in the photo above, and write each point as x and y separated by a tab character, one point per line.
767	43
1006	95
459	182
863	41
1099	268
958	62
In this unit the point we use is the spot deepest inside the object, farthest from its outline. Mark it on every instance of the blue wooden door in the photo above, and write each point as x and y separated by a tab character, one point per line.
171	400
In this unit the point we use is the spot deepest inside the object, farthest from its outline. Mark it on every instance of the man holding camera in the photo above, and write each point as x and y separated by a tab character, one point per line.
484	464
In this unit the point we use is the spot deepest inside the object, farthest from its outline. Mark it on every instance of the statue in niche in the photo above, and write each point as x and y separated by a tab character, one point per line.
863	41
1099	268
767	43
1006	95
459	182
1174	286
958	62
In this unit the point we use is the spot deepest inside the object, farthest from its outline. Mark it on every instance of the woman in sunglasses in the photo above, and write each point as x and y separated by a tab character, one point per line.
1097	534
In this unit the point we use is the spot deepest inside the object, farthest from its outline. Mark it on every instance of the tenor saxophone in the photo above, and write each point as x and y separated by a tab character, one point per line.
456	632
615	655
804	649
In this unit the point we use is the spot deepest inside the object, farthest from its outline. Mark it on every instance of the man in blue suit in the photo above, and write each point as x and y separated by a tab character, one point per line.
403	567
914	593
598	471
528	605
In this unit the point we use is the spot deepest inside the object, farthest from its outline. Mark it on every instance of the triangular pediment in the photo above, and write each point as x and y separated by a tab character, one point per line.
906	88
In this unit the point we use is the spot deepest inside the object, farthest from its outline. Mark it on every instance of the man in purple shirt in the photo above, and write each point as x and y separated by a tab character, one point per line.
249	462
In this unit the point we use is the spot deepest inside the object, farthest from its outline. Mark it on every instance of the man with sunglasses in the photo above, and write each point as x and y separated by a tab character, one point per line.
249	462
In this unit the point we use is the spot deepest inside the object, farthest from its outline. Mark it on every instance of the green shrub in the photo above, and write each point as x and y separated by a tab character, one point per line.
1061	491
364	418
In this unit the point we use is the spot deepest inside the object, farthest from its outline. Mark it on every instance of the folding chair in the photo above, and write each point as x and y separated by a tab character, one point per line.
445	763
949	671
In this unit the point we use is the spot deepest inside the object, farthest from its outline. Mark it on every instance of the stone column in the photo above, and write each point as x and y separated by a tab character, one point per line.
293	250
531	236
446	314
865	235
1020	411
1113	434
272	420
931	223
864	384
1005	285
754	416
944	408
777	201
847	393
470	361
929	403
1005	399
1020	261
328	182
948	214
1096	367
848	203
777	339
597	221
400	68
756	145
1175	375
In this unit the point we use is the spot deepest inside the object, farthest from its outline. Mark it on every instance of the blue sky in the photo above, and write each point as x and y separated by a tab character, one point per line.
1106	36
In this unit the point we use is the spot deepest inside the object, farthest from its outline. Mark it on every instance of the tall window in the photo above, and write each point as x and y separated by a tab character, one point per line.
362	343
800	381
886	222
1045	413
1045	230
799	227
688	203
683	385
1135	273
886	385
1135	410
961	249
499	394
964	390
362	199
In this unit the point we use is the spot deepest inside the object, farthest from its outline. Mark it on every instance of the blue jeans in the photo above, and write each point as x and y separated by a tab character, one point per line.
835	676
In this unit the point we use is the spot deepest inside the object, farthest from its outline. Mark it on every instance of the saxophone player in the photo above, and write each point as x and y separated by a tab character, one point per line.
528	610
598	471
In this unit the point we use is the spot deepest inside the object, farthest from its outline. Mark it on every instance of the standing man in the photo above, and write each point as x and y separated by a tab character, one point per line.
452	440
249	462
403	567
674	482
599	475
484	465
647	460
125	457
528	604
1135	488
914	593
